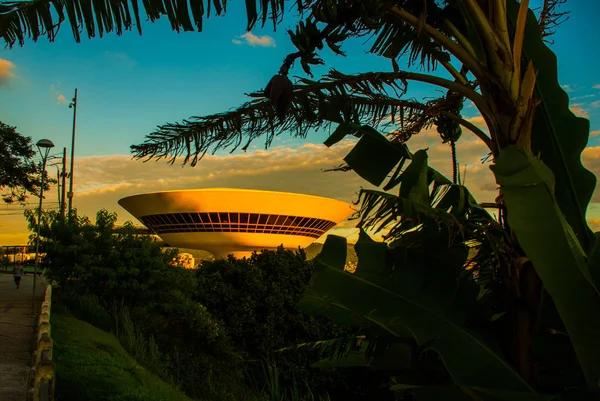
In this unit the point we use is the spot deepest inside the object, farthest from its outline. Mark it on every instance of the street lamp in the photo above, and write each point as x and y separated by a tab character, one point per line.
44	146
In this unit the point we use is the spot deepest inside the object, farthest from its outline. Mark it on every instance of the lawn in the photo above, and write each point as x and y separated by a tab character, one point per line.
92	365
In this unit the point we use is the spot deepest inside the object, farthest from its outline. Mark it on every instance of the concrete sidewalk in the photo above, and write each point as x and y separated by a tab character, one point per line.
16	334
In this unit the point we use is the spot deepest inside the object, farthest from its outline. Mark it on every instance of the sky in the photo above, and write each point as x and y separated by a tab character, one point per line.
129	84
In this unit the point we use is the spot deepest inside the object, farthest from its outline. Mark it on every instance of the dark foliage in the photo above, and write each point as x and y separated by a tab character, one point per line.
215	326
19	175
255	300
122	269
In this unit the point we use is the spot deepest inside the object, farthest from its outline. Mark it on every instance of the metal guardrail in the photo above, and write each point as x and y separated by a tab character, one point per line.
43	370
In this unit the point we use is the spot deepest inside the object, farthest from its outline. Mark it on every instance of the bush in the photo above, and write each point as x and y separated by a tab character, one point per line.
88	307
255	300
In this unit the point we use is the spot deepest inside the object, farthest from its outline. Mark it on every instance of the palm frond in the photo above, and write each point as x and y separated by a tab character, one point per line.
315	104
371	98
397	38
21	20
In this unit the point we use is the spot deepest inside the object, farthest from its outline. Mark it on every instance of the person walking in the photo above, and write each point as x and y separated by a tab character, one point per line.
18	272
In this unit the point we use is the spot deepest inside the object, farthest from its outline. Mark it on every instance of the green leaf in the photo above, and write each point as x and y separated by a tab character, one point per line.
344	354
373	157
409	299
334	252
340	132
414	179
594	261
252	13
372	256
395	356
558	136
472	34
353	359
396	177
31	19
549	242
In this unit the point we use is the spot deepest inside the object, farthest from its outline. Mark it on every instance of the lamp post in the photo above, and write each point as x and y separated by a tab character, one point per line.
44	146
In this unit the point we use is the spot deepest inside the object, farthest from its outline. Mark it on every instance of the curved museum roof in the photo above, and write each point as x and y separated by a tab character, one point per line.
238	221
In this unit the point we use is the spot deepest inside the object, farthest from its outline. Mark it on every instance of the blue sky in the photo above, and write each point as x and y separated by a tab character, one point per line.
130	84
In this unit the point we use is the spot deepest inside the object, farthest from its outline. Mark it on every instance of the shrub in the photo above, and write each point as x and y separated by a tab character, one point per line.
255	300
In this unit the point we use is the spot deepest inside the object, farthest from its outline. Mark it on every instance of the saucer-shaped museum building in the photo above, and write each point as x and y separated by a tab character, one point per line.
226	221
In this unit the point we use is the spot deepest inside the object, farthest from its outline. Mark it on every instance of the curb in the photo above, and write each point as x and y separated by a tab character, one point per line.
43	370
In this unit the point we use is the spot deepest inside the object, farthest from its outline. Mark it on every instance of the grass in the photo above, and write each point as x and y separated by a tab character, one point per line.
92	365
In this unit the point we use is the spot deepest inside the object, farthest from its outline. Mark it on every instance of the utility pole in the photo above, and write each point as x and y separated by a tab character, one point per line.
58	185
63	198
70	193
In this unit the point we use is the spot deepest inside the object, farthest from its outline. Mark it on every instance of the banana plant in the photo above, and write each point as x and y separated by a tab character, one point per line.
546	268
490	45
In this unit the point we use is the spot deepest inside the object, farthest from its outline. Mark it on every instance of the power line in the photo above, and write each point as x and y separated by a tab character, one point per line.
25	206
16	212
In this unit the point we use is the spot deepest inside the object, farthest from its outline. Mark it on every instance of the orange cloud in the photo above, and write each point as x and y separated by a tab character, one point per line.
6	71
102	180
60	98
477	121
254	40
579	110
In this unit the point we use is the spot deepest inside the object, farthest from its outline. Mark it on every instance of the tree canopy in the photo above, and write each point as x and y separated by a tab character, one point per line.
19	174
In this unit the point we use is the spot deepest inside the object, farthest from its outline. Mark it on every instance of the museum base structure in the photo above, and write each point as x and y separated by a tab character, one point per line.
226	221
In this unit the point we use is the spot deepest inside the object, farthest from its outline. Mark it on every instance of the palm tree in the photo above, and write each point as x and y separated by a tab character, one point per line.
541	250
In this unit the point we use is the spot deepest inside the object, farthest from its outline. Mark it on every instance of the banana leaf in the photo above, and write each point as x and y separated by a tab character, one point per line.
558	136
374	157
407	298
549	242
594	262
397	356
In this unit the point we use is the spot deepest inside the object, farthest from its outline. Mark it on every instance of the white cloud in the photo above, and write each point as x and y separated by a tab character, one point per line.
595	105
567	88
121	58
597	86
254	40
6	71
59	97
582	97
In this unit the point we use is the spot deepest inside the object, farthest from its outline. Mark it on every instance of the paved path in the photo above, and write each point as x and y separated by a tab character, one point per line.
16	334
